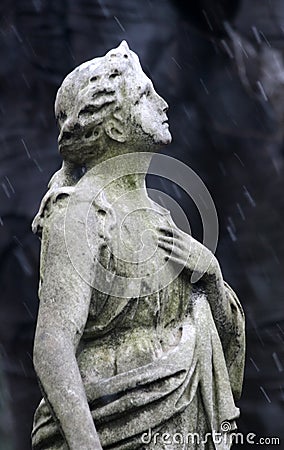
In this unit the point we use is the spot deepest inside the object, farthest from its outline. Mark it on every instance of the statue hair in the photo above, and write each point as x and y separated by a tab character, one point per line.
89	97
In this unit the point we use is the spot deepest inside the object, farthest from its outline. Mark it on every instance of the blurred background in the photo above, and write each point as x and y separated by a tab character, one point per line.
219	64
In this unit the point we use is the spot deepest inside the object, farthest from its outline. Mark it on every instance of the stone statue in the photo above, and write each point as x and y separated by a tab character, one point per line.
129	351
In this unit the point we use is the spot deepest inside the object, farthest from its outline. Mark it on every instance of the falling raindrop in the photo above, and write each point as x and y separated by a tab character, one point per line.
241	211
227	48
119	24
231	233
37	165
249	197
207	19
26	148
256	34
104	9
262	91
205	88
265	394
175	61
277	362
254	364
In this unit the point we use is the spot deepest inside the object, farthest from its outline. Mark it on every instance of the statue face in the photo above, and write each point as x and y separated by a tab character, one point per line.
149	112
109	100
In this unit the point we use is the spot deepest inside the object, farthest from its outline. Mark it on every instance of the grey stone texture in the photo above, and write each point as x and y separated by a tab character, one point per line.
129	352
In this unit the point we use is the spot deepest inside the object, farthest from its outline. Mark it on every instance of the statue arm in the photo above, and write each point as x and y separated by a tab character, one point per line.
230	323
225	307
234	350
63	311
203	268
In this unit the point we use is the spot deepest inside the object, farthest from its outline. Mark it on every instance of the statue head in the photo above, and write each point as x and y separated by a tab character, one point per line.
109	101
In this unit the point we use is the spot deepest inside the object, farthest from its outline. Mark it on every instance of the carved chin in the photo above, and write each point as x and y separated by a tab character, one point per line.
163	139
151	138
168	139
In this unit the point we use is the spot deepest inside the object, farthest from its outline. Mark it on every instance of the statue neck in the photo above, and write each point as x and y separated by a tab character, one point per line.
124	170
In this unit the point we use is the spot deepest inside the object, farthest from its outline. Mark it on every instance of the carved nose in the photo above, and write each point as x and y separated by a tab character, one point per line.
163	104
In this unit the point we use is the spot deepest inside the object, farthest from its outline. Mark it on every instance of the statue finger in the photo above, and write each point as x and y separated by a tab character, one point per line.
168	231
175	241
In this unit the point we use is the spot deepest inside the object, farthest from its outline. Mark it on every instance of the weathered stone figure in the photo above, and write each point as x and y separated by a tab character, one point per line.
129	352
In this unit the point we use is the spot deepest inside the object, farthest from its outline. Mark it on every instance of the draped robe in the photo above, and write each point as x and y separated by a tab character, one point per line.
151	364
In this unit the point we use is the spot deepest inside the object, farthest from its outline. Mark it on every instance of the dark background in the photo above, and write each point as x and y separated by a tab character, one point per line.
219	64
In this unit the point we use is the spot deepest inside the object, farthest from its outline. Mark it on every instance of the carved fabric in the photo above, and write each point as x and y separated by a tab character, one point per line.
154	362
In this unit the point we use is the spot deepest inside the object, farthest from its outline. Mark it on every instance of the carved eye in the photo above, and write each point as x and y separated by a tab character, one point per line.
61	116
95	78
115	74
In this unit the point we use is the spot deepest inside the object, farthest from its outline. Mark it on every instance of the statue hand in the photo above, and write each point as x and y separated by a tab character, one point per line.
183	249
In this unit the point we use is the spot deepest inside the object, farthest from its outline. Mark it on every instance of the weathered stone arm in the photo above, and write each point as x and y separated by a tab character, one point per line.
226	310
230	323
203	268
63	311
